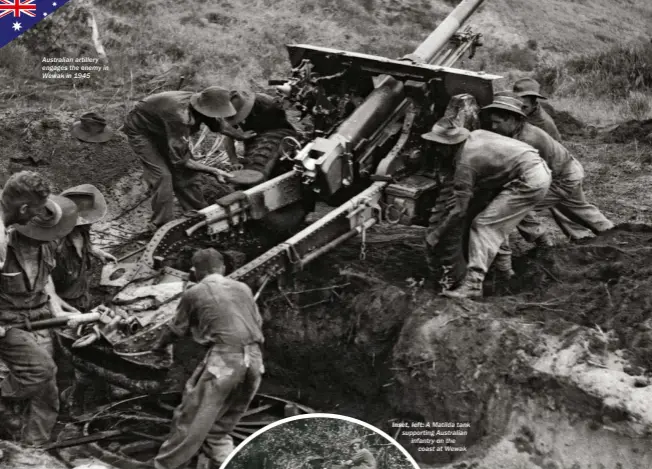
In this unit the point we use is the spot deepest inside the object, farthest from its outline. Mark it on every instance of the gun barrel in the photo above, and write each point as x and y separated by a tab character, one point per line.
373	111
440	36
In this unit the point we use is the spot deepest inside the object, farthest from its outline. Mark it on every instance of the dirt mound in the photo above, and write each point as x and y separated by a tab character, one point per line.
41	141
450	366
566	123
603	282
630	131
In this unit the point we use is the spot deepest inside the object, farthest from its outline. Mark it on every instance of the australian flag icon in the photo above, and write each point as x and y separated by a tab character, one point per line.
17	16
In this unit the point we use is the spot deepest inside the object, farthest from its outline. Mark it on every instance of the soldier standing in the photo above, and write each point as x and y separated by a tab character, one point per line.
27	293
72	275
220	313
76	252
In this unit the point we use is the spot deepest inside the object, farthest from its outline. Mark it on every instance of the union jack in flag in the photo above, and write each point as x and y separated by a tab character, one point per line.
17	16
17	7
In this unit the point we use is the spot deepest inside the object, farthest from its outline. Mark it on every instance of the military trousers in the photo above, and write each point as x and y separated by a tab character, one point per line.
32	376
215	398
165	182
567	203
490	229
566	198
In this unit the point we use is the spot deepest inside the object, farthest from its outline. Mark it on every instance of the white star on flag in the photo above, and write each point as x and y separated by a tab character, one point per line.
17	26
45	14
54	4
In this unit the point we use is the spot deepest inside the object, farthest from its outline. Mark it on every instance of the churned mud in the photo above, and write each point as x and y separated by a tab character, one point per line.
549	371
629	131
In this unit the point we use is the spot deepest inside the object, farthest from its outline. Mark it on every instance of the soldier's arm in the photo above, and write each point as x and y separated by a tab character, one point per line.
178	138
551	128
3	245
257	316
202	168
229	146
555	132
102	255
179	152
180	325
256	312
464	181
229	131
58	307
180	156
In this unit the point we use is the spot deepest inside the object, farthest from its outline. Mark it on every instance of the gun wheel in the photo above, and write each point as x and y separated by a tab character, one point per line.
264	154
143	424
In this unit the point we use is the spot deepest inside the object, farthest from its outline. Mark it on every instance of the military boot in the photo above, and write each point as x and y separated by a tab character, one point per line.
503	275
469	288
503	265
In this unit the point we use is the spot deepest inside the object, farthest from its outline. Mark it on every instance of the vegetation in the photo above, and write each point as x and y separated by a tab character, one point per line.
572	46
315	443
615	83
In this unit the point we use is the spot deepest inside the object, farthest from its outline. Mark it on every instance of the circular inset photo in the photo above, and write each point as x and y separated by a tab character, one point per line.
320	441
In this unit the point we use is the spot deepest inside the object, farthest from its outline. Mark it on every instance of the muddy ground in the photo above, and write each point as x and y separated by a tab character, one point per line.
543	366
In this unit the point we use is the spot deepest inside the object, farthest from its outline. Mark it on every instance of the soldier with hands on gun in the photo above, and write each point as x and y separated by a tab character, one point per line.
484	161
222	314
159	129
566	193
27	294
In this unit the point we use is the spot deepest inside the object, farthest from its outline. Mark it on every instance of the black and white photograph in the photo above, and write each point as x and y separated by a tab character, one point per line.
433	217
320	441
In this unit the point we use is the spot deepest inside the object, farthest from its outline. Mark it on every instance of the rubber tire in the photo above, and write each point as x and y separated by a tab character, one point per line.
448	259
263	153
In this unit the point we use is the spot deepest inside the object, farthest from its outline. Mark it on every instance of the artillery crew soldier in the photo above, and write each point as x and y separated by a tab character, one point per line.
159	128
220	313
72	275
24	196
565	194
255	112
27	293
362	457
75	253
529	91
485	161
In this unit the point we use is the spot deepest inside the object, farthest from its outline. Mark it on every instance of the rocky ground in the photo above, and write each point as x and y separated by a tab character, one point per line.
551	371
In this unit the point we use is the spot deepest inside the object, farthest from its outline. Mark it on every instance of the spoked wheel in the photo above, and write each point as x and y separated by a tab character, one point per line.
130	432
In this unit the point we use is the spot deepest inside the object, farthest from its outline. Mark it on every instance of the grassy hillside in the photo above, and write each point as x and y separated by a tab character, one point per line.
152	45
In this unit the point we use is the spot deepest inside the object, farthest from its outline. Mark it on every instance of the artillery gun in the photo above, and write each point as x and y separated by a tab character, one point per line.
362	155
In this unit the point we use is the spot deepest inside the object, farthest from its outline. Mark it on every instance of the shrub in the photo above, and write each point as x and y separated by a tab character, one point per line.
522	58
614	74
637	105
15	59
